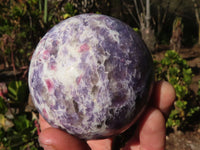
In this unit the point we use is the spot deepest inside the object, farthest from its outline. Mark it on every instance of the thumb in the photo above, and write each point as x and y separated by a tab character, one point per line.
56	139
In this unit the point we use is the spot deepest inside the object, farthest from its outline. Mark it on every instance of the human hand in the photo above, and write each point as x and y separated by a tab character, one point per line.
150	134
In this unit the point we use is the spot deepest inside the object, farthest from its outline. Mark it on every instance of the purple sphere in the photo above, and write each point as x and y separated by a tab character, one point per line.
91	75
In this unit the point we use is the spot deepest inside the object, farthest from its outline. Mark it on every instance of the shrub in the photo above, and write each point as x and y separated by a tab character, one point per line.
175	70
23	23
17	126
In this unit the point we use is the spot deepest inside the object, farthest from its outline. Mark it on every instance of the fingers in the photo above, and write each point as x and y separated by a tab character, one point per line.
151	128
104	144
163	96
55	139
151	132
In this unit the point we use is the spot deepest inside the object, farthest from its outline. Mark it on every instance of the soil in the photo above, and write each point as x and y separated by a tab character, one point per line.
183	141
186	140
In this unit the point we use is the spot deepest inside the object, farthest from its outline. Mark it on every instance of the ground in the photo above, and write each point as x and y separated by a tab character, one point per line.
187	140
190	140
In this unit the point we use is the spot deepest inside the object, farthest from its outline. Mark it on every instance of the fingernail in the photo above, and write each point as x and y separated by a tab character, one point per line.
47	147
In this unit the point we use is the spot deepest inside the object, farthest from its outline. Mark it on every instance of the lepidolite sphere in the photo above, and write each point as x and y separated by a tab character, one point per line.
91	75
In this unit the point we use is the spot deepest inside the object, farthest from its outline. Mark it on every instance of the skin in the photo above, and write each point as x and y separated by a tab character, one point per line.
150	134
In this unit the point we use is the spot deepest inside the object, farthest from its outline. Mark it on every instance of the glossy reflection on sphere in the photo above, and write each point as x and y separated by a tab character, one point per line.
91	75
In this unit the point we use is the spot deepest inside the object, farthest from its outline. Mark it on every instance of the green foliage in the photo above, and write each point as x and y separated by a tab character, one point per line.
17	91
17	127
45	11
21	135
174	69
69	10
23	23
198	92
137	30
3	107
19	21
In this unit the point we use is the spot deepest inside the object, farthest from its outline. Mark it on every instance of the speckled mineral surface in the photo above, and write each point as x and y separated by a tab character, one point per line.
91	75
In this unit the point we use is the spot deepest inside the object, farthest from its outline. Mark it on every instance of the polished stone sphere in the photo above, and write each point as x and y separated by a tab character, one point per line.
91	75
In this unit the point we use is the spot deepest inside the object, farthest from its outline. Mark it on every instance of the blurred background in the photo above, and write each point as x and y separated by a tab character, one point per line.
170	29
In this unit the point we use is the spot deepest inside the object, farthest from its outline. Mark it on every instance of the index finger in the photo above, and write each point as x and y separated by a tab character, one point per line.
163	97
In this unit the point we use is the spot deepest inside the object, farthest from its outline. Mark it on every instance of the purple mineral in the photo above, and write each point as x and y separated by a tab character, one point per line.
91	75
